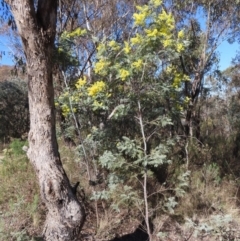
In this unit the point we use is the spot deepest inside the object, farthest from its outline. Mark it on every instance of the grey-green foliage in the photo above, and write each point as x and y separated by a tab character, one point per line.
159	155
14	116
180	186
130	148
170	204
127	165
112	162
218	226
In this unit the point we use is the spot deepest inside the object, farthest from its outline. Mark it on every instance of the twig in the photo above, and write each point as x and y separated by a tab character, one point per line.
145	174
77	128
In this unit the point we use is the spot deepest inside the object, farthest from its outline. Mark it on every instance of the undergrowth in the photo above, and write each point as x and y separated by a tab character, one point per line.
21	211
208	210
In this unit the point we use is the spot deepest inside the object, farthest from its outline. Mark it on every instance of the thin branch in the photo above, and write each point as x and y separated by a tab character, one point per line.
77	128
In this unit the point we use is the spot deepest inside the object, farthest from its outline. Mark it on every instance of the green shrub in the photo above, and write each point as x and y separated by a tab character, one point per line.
14	114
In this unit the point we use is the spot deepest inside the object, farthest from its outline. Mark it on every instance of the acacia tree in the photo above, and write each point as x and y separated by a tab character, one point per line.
36	24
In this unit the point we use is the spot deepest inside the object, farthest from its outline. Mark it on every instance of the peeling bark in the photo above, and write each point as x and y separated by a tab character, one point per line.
65	215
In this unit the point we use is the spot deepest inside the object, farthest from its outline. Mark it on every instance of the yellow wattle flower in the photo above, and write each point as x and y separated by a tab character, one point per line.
81	82
101	66
77	32
95	88
181	34
180	47
127	48
156	3
123	74
136	40
140	18
152	33
167	43
137	64
114	45
167	19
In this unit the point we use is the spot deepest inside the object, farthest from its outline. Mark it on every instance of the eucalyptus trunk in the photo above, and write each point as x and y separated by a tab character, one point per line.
37	27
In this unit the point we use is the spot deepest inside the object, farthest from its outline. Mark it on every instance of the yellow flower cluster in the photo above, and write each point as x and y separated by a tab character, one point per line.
123	73
95	88
179	47
101	66
163	27
166	25
156	3
178	77
177	80
114	45
167	43
97	104
65	110
76	33
187	100
136	40
156	30
179	107
137	64
140	18
152	32
167	19
126	48
100	47
181	34
60	50
81	82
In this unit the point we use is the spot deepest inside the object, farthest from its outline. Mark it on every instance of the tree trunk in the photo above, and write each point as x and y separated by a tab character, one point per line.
194	94
65	215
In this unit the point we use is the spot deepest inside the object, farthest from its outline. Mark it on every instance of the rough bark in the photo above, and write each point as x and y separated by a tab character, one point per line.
36	26
194	93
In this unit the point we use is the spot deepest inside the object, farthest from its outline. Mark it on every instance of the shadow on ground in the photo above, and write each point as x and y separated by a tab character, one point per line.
137	235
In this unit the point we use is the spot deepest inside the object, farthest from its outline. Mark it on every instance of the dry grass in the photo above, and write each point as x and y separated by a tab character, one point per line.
209	203
7	72
20	206
207	197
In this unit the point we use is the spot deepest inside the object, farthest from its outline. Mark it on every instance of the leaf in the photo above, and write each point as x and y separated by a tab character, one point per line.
129	147
171	204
